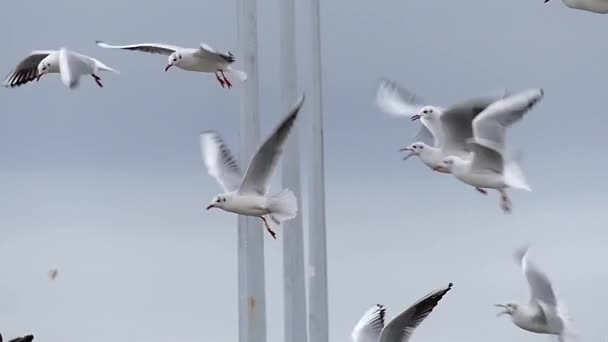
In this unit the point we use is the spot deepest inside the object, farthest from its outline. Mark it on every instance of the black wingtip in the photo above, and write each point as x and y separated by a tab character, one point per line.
450	285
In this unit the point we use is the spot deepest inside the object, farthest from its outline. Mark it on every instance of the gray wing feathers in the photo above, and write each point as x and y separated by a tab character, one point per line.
370	326
490	126
219	161
541	289
26	71
401	327
457	123
260	170
154	48
486	158
210	54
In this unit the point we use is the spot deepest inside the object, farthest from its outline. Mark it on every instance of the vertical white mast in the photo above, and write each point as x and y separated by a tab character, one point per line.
252	301
318	326
294	287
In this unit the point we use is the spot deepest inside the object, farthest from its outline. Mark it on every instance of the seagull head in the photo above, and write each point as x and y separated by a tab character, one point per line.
218	201
507	309
174	59
425	112
44	67
415	149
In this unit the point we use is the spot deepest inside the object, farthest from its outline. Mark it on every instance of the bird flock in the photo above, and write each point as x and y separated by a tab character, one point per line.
466	140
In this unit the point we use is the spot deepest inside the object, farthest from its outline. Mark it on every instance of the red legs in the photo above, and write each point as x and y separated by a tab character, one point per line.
225	79
97	80
481	190
272	233
505	202
222	83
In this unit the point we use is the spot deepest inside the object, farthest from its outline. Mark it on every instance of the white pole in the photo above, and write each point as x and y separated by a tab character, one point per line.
294	285
252	301
318	327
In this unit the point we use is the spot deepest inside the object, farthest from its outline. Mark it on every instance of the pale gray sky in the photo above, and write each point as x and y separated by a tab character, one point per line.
108	184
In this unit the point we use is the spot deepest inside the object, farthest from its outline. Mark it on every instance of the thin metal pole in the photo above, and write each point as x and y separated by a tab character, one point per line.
251	275
294	304
318	327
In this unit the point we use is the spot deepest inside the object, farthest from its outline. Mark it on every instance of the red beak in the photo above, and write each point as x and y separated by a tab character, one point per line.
210	206
168	66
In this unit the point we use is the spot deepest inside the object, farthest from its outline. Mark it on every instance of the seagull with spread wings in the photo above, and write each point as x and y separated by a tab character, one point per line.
543	314
247	195
201	59
371	327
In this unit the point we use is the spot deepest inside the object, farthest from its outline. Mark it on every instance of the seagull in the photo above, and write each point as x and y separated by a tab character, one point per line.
70	65
489	165
26	338
201	59
596	6
247	195
543	314
434	141
53	273
371	328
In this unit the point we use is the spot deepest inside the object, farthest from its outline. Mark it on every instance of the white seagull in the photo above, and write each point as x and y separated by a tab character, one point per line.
201	59
247	195
490	166
435	141
371	328
70	65
542	314
596	6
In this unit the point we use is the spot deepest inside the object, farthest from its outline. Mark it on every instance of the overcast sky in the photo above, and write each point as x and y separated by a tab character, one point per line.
108	184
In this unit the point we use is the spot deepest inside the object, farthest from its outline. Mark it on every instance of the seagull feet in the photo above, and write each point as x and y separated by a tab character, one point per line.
222	83
97	80
505	202
225	79
482	191
270	231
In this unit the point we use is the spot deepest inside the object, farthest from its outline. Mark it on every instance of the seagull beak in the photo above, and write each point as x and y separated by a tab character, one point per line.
415	117
210	206
501	312
168	66
439	168
38	78
410	154
547	1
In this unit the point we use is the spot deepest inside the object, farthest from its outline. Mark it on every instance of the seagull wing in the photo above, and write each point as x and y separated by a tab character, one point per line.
27	69
220	163
208	53
396	100
541	289
370	326
456	123
490	127
400	328
264	162
155	48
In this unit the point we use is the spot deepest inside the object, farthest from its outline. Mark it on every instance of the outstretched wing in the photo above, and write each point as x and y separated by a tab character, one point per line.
155	48
490	127
264	162
400	328
370	326
396	100
220	163
541	289
27	70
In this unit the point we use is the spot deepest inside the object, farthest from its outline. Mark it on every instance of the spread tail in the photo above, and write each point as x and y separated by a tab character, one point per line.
283	206
514	175
241	75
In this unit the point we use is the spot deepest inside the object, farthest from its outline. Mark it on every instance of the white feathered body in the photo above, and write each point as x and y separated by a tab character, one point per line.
249	205
482	178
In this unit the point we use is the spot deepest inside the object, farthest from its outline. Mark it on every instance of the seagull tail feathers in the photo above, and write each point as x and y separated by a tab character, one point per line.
241	75
283	206
514	175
